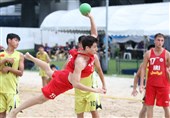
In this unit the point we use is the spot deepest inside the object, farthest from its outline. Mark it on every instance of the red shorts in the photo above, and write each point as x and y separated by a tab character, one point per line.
58	84
160	94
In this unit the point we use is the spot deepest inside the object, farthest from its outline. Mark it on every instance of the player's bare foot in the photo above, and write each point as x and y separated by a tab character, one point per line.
27	56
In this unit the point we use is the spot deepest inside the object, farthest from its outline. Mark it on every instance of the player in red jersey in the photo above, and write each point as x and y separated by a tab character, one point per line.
136	82
80	65
157	87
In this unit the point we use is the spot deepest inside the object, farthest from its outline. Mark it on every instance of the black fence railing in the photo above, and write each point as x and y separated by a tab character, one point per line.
124	66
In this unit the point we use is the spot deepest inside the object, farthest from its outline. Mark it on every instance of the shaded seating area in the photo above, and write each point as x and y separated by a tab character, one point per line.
127	55
128	67
129	71
130	47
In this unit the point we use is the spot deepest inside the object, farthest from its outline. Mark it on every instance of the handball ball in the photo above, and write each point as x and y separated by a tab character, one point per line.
85	8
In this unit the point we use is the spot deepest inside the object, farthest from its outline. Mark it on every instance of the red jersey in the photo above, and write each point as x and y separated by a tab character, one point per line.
87	70
157	70
60	83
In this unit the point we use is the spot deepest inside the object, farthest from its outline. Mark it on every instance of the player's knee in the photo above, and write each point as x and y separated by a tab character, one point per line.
95	114
41	99
81	115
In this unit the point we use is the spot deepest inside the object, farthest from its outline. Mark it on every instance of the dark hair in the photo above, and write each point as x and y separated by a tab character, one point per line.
52	66
11	36
88	41
40	46
151	46
81	38
159	35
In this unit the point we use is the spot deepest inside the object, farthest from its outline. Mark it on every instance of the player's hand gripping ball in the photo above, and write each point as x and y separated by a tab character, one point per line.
85	8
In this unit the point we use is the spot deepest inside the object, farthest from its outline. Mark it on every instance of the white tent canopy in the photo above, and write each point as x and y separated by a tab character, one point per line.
145	19
52	21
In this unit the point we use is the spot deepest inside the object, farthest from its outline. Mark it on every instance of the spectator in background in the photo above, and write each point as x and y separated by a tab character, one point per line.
53	67
42	55
128	46
47	49
140	45
66	49
54	52
61	53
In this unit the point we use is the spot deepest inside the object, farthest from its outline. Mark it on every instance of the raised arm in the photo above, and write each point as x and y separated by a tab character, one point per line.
93	29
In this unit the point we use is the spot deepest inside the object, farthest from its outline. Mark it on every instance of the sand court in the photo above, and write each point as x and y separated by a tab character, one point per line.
117	103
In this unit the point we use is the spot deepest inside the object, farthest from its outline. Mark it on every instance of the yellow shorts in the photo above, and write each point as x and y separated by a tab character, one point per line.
42	73
87	101
8	101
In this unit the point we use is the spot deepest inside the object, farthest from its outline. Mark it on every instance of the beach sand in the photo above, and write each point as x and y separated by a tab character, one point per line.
117	103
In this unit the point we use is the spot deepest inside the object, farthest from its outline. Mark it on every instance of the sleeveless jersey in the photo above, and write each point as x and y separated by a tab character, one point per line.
9	81
157	70
60	83
87	70
42	57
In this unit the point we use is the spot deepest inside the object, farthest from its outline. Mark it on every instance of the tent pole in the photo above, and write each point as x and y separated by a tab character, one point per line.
106	42
41	37
1	36
145	42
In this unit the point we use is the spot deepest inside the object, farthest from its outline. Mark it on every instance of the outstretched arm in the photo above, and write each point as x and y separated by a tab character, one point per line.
100	72
74	77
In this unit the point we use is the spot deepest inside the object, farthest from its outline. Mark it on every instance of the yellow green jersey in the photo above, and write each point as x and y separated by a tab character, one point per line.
42	56
9	81
87	81
87	101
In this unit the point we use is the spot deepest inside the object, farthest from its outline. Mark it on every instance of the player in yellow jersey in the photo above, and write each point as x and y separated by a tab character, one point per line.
11	67
42	55
89	101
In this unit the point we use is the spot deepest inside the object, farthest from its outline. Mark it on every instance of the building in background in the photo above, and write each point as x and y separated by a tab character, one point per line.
31	13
